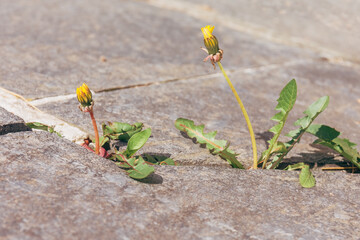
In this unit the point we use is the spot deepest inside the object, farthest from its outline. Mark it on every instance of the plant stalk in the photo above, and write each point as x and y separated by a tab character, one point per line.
252	136
338	168
97	143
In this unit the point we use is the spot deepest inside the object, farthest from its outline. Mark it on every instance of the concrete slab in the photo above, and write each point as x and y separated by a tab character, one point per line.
10	123
17	105
54	189
210	101
50	48
326	26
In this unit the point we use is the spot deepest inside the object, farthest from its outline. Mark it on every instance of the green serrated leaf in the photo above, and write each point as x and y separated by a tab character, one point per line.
295	166
286	102
37	125
328	137
136	142
158	160
40	126
140	169
168	161
219	147
230	157
121	131
306	178
323	132
310	114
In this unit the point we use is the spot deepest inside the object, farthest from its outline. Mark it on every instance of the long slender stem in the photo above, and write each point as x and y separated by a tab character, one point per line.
338	168
253	142
97	143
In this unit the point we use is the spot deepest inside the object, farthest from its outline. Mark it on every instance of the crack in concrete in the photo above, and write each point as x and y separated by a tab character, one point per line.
249	70
17	105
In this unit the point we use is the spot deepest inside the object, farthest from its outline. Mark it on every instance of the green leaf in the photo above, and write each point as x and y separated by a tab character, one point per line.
328	137
140	169
135	167
121	131
158	160
40	126
323	132
286	102
124	162
136	142
306	178
295	166
219	147
311	113
103	140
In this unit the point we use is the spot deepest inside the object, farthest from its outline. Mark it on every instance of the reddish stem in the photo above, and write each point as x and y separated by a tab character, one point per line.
97	144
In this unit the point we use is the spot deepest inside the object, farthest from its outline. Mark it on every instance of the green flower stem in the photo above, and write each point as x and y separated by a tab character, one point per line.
253	142
97	143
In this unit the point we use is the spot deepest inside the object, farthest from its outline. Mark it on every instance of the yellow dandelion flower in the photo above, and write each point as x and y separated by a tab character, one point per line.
84	95
210	41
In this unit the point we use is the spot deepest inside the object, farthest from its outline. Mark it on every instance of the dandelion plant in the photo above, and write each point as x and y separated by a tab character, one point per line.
84	97
215	55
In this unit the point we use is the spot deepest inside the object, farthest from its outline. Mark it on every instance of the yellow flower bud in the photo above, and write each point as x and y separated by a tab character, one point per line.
84	96
210	41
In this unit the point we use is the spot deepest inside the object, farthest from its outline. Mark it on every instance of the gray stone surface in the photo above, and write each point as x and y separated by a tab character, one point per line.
49	48
10	123
53	189
326	25
210	101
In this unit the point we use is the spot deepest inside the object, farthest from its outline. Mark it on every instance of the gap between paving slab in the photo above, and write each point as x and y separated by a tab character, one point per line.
17	105
206	13
46	100
27	110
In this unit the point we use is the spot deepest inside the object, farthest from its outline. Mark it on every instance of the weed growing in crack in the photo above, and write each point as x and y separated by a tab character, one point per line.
277	150
137	167
215	56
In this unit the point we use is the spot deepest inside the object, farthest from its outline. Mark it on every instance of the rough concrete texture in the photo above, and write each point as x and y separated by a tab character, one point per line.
16	104
10	122
326	26
53	189
143	60
57	45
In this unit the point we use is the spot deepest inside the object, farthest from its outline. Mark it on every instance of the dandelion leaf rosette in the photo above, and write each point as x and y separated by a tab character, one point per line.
219	147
